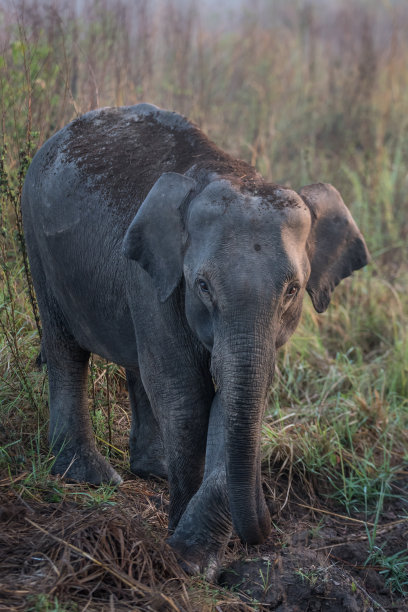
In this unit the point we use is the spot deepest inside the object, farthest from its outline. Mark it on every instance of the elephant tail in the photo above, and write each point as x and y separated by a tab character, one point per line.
41	358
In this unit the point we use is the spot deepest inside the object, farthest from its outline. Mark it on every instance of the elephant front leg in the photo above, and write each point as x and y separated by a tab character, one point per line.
185	442
181	398
205	528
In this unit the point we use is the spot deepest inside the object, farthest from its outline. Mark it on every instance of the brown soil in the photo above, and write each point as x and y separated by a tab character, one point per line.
316	559
113	556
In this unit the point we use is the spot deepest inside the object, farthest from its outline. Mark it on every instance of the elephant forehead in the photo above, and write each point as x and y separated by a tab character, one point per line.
218	199
296	226
220	211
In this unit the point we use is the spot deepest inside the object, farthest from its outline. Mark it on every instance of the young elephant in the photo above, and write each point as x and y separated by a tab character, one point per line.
156	250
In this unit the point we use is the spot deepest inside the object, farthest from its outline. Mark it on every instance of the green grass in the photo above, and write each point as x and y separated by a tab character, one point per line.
393	567
45	603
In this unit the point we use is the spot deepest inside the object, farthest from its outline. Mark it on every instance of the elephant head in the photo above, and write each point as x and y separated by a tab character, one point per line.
247	254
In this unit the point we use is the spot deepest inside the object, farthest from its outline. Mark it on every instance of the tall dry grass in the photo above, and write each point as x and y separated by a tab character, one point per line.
303	90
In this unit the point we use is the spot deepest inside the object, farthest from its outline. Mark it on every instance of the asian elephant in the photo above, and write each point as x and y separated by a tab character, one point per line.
156	250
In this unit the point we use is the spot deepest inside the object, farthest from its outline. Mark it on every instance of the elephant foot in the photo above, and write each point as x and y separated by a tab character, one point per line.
148	465
85	465
198	559
204	530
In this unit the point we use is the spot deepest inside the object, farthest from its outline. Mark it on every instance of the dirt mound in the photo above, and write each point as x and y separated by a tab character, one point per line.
295	579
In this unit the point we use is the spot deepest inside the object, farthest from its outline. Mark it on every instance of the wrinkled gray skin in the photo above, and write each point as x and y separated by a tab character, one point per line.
156	250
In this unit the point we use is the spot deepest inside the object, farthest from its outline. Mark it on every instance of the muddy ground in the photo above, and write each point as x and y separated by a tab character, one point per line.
112	555
316	560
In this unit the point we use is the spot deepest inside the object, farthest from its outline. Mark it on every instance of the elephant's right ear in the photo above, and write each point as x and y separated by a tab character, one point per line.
155	237
335	245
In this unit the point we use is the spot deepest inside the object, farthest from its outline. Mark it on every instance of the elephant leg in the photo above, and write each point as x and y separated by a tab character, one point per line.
70	429
146	444
181	397
206	525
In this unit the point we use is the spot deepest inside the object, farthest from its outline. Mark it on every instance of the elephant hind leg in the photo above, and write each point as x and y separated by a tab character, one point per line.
147	456
70	432
70	429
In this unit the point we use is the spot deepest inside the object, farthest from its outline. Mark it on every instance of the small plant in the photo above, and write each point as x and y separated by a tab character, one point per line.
266	578
394	568
5	458
364	483
100	496
311	575
37	480
45	603
98	422
314	531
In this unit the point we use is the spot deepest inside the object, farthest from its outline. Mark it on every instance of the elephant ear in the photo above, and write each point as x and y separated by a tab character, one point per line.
155	237
335	245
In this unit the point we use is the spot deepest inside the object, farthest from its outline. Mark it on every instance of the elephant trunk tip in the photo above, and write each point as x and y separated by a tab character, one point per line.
253	530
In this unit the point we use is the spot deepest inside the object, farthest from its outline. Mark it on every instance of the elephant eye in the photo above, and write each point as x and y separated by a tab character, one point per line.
292	290
203	285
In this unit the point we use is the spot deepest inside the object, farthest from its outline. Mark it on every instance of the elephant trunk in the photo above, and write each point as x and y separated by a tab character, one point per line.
244	383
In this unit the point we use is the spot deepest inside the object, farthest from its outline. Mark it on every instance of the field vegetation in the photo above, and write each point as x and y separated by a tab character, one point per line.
307	92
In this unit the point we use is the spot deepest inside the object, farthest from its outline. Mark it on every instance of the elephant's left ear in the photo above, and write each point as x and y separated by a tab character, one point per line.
155	237
335	245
